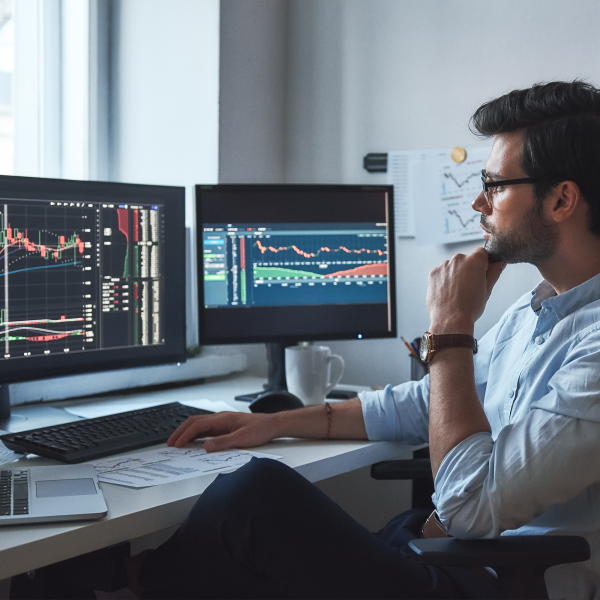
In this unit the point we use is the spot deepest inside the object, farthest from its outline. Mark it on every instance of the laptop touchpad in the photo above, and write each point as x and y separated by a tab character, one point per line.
65	487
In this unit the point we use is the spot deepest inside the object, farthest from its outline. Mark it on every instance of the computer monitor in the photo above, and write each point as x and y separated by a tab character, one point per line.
92	277
282	264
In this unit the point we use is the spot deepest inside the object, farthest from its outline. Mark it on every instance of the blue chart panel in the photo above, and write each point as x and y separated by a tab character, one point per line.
312	265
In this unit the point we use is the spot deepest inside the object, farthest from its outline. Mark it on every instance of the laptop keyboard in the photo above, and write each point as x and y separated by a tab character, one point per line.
14	493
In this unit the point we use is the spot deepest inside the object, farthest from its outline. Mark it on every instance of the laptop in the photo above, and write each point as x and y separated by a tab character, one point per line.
47	494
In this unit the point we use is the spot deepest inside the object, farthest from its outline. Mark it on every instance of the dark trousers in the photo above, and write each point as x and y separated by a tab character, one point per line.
264	531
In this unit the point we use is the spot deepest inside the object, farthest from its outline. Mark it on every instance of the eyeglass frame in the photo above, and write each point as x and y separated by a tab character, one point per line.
503	182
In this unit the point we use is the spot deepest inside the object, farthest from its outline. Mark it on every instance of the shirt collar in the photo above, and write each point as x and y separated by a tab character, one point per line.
568	302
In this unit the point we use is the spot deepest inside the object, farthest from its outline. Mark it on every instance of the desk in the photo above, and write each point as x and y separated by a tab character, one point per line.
134	513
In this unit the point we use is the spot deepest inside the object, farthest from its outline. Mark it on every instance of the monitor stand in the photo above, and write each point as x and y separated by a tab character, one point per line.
29	416
8	421
276	379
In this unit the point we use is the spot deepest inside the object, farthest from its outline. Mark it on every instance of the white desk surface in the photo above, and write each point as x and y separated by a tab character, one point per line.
136	512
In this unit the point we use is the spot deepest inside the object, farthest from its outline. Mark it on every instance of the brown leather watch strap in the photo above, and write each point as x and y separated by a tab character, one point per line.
453	340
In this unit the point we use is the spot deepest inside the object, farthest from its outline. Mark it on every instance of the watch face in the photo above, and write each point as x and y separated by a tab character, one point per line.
424	348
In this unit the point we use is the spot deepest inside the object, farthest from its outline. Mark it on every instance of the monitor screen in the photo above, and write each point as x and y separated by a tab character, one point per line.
283	263
92	276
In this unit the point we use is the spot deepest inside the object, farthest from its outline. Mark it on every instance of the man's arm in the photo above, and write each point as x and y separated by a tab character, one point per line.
456	297
243	430
455	412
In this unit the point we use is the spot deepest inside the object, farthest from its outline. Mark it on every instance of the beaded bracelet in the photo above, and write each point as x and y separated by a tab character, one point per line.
328	409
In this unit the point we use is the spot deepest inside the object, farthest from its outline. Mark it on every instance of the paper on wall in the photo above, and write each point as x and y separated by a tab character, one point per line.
443	192
398	175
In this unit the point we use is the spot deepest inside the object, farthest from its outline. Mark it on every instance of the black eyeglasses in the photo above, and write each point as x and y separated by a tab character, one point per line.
492	184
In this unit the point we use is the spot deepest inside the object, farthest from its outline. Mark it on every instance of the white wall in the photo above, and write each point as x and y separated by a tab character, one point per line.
253	91
377	75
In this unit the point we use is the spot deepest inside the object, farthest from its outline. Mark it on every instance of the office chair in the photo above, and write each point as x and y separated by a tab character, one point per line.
519	561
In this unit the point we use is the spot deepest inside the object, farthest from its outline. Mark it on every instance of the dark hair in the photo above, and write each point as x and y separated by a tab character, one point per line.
561	121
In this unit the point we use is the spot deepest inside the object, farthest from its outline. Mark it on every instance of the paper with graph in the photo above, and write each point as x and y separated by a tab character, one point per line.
442	194
398	170
155	467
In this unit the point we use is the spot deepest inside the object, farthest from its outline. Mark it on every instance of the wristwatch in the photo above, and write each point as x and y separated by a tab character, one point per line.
432	343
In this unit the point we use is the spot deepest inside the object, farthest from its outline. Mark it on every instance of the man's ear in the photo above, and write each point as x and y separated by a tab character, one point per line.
566	198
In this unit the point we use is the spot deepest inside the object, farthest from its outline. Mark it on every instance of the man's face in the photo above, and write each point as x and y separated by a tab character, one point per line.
515	227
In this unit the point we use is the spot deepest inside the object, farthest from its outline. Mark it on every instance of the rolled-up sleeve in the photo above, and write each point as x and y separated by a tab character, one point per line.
485	487
398	413
401	413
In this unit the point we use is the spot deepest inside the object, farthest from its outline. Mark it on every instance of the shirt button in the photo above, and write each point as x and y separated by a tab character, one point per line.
539	340
511	394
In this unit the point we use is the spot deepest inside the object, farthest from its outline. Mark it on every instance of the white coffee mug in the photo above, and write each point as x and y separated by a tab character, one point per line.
312	372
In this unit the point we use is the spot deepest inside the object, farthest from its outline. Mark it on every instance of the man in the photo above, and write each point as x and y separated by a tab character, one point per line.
513	430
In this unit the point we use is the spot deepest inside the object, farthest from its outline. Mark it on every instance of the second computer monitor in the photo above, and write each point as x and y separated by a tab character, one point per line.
288	263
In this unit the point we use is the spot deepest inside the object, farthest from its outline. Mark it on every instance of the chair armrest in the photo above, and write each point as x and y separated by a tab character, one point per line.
507	551
414	468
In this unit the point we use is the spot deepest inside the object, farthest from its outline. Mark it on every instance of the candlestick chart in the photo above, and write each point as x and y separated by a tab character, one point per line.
43	280
79	276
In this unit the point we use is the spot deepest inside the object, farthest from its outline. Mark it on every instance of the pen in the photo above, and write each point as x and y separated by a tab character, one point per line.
410	348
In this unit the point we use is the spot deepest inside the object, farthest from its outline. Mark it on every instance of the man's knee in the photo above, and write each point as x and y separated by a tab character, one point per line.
257	480
250	490
266	470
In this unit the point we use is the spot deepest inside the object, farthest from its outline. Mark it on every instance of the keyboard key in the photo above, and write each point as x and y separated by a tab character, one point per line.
20	491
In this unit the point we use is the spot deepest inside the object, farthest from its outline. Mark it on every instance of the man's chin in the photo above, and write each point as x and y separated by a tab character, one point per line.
493	255
505	255
495	258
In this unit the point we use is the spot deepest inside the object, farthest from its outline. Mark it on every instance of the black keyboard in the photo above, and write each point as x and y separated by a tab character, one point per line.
92	438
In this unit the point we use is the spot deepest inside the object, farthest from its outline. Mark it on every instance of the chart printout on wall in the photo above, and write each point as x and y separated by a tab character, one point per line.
433	194
398	175
443	191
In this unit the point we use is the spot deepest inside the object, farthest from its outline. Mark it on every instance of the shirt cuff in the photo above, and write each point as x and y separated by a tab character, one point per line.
379	414
462	474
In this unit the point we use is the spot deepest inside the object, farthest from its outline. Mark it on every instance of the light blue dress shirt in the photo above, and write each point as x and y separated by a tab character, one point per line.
537	374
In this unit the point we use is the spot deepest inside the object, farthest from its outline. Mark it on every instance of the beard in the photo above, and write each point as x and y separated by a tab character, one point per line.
533	241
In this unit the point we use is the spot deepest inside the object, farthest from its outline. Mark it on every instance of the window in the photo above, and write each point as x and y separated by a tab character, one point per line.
7	61
53	98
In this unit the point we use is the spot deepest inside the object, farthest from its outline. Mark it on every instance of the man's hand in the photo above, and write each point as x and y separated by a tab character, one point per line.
456	297
227	430
459	290
243	430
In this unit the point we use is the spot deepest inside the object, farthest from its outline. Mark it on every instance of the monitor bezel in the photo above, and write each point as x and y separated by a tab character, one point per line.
203	313
97	361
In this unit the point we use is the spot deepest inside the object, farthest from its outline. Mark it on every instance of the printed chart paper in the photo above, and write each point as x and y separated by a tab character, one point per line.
443	191
6	455
398	175
155	467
